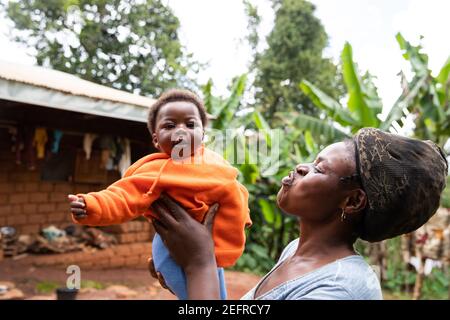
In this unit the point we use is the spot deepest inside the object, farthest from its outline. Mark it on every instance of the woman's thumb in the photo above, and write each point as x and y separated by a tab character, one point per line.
210	215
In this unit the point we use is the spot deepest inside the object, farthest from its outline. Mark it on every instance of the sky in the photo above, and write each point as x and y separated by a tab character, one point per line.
213	30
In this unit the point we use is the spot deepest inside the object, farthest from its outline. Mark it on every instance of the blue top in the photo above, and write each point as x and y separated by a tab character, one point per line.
349	278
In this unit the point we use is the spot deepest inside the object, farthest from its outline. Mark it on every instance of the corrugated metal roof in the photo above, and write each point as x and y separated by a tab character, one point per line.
68	83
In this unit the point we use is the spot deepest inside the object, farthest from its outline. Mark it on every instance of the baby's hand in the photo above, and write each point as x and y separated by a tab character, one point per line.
77	206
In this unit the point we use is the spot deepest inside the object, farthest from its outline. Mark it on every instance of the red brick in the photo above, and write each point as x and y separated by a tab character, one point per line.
143	236
5	209
24	176
29	208
4	198
117	262
30	176
31	186
122	250
139	226
16	209
38	197
63	187
85	188
19	187
117	228
66	218
62	207
56	217
58	196
30	229
16	220
132	261
137	248
126	238
37	218
6	187
18	198
103	254
46	207
46	186
2	221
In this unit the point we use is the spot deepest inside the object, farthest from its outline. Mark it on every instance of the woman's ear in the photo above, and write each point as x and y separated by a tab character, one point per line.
155	140
356	202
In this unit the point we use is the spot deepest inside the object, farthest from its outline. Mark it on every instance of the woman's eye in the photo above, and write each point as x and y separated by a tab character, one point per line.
317	170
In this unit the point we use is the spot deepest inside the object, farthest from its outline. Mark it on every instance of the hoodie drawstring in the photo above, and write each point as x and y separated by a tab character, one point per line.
158	177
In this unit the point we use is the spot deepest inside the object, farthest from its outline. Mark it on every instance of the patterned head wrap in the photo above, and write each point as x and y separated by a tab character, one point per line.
403	179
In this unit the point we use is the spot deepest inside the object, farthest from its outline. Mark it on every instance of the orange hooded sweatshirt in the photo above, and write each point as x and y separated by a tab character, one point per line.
195	185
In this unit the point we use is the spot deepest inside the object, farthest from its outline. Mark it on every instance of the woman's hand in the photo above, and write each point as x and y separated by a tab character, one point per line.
190	244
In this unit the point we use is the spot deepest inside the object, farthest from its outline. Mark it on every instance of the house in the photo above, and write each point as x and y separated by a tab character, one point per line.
60	134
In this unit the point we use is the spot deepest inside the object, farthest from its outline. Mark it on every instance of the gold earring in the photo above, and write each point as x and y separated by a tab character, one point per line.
343	216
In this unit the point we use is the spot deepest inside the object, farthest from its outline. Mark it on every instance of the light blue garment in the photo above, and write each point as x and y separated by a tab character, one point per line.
57	136
173	274
349	278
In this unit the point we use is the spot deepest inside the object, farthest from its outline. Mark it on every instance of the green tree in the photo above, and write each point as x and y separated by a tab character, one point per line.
295	52
128	45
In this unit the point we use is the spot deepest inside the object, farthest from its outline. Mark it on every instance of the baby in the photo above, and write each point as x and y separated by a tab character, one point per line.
193	175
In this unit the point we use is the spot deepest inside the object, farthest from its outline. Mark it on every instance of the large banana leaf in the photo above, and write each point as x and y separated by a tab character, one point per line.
418	60
228	108
262	125
328	104
318	127
357	103
405	102
444	75
443	80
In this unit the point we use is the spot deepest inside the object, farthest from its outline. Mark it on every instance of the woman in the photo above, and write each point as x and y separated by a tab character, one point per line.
374	187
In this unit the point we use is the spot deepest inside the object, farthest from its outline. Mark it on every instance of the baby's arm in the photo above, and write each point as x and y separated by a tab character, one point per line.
124	200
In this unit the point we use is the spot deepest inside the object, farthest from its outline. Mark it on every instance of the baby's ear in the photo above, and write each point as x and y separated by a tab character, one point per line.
155	140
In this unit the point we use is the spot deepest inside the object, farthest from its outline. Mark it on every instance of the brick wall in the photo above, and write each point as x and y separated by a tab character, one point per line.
30	204
133	255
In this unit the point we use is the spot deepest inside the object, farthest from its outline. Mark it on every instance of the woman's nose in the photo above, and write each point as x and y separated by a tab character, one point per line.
303	169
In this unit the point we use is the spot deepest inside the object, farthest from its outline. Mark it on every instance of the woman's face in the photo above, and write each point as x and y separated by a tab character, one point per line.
314	191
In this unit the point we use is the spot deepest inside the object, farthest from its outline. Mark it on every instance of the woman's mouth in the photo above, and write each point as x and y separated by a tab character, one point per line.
288	180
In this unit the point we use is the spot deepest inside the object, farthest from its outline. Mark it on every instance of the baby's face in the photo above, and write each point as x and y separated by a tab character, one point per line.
178	129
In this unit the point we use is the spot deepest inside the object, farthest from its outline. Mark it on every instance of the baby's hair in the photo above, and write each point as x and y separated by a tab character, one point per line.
174	95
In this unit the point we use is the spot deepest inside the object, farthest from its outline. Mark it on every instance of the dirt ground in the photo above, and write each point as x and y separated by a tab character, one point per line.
109	284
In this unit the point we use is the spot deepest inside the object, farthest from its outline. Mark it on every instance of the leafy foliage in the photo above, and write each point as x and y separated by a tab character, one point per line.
294	53
132	46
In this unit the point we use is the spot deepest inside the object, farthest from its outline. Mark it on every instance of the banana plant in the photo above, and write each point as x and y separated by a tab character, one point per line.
425	96
363	106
